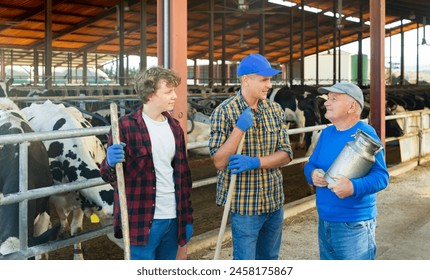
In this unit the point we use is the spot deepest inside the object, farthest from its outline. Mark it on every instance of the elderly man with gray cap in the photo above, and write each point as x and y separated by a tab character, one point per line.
256	212
346	206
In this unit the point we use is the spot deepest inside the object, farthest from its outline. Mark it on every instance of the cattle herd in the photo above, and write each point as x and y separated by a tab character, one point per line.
51	162
61	161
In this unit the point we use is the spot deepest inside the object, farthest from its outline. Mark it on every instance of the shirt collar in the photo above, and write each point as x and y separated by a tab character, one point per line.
242	105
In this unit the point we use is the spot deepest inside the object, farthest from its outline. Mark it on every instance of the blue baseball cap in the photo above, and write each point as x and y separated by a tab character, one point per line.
256	64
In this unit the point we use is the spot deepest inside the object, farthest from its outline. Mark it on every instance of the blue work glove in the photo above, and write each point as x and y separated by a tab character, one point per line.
245	120
188	232
115	154
240	163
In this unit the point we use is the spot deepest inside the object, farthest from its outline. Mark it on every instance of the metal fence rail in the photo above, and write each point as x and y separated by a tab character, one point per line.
421	130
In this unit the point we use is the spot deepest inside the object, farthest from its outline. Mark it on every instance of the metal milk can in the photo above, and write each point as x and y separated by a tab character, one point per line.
355	159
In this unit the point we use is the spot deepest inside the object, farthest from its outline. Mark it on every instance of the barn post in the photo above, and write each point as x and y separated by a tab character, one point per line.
172	49
121	33
143	38
402	54
377	83
211	45
48	44
172	53
2	65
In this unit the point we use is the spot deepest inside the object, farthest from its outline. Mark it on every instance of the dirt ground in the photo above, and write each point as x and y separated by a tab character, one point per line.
207	216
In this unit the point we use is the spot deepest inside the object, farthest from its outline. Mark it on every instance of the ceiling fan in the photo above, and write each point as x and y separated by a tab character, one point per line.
241	7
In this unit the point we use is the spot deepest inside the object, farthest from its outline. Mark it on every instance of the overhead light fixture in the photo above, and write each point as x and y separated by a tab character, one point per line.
243	5
283	3
412	15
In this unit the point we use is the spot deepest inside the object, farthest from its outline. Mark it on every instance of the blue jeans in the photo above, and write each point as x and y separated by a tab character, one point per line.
162	242
347	241
257	237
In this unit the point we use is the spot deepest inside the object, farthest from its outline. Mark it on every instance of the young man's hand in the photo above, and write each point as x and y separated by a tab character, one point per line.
240	163
245	120
115	154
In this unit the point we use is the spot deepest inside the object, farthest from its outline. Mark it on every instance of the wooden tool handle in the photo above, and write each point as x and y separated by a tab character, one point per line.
227	205
120	182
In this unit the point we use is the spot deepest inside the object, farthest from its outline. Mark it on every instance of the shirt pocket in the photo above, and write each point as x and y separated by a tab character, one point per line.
270	134
137	151
139	159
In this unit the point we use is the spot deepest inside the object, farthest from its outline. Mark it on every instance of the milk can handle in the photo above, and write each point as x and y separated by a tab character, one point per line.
380	149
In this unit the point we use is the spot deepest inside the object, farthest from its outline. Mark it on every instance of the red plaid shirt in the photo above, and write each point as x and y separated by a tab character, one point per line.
140	180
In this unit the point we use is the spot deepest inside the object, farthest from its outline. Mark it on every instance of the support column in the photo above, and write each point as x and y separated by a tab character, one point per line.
377	83
120	18
84	68
48	44
360	50
36	67
96	68
223	54
317	49
302	44
291	47
2	66
334	39
174	42
402	54
418	55
262	30
143	17
211	45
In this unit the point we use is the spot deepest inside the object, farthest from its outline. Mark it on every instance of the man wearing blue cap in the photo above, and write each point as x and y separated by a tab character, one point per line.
346	206
256	212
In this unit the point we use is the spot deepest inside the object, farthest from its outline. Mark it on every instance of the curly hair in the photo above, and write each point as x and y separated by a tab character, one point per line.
147	82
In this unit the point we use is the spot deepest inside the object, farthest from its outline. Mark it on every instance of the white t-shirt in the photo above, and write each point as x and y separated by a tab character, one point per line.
163	152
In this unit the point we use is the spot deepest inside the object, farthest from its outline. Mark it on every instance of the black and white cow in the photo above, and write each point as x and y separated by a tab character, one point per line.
392	127
301	107
72	160
3	90
4	87
12	121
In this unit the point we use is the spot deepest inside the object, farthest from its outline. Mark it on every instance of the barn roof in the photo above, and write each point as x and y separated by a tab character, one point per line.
91	26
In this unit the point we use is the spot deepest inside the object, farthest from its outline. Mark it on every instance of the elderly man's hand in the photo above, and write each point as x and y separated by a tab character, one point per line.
343	186
318	178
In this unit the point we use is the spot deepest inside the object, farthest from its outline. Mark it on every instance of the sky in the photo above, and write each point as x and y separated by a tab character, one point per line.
410	41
